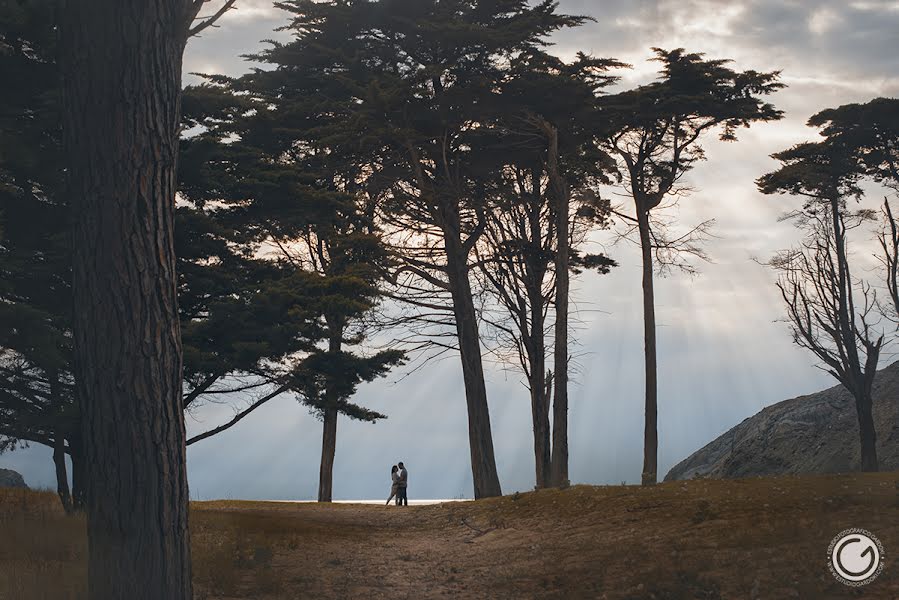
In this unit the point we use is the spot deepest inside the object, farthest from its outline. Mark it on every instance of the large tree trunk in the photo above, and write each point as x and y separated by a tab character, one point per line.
62	477
650	431
559	477
480	438
122	82
329	429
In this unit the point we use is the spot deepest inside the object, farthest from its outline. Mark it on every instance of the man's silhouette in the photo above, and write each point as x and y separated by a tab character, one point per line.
402	482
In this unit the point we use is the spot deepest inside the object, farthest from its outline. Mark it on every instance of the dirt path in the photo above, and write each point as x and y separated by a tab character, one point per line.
759	539
763	539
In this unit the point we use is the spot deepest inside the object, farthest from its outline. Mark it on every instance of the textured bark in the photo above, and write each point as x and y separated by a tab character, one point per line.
480	438
650	431
62	477
122	84
329	429
559	477
329	448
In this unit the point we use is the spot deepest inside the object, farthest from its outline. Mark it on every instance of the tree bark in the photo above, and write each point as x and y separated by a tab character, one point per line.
867	434
559	468
540	392
62	477
122	88
650	431
329	448
480	438
329	428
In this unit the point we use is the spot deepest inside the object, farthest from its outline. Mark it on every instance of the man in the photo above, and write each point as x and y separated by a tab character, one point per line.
402	481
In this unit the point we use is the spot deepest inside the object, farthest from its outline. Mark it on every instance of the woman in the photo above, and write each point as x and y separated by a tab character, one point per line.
395	477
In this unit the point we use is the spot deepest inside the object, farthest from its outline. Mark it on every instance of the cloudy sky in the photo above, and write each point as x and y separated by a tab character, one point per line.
722	354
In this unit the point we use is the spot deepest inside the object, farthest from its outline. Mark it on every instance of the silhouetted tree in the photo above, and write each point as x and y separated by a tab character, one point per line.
829	312
407	84
544	148
36	381
300	206
655	133
868	136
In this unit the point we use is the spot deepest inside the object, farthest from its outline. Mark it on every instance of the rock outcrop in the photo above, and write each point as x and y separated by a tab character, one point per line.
817	433
11	479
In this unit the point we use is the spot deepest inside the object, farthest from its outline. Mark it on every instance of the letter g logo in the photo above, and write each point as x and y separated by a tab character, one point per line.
855	557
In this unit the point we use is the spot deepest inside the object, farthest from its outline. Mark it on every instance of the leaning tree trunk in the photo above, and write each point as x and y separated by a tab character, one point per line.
650	431
480	438
559	470
329	430
62	477
122	87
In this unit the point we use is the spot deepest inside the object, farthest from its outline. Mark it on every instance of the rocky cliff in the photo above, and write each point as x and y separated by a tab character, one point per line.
11	479
817	433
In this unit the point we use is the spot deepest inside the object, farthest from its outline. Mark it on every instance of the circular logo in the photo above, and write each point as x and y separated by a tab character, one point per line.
855	557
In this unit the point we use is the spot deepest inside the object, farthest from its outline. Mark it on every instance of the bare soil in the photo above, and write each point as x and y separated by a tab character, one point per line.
757	539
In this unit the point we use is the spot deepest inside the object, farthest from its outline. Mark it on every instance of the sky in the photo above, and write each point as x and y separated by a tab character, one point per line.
723	351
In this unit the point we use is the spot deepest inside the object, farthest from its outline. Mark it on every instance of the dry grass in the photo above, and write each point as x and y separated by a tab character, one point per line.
748	539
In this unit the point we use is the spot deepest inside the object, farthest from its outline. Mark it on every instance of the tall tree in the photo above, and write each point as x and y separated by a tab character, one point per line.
241	317
544	155
828	310
868	135
407	83
656	130
300	206
121	65
36	382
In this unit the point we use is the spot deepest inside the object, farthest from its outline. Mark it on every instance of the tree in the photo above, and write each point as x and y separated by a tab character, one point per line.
655	133
121	65
407	84
528	236
36	382
240	316
300	207
868	136
816	281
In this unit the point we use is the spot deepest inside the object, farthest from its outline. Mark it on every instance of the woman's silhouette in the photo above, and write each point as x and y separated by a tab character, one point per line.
394	476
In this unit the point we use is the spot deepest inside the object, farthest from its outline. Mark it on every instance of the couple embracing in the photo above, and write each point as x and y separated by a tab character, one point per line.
399	477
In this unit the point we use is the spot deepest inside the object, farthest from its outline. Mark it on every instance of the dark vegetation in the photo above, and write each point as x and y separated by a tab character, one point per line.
426	172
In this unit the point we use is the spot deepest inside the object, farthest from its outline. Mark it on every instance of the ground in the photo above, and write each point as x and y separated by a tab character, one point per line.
762	539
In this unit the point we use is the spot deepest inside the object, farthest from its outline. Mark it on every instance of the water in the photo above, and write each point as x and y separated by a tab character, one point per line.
381	502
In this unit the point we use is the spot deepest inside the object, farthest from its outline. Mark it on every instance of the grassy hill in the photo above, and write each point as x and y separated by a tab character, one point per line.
762	539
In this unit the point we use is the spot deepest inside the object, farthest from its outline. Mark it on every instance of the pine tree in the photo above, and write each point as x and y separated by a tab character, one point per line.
404	87
655	131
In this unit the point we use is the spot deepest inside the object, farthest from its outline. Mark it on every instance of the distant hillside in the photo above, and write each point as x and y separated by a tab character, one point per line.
817	433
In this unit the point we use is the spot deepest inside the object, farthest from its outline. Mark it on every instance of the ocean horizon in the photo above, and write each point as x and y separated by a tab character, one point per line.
418	502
